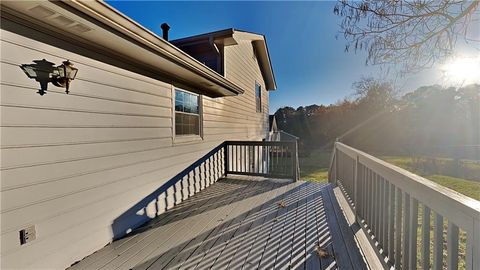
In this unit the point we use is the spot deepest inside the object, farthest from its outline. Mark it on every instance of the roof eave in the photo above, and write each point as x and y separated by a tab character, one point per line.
114	18
120	37
265	63
233	36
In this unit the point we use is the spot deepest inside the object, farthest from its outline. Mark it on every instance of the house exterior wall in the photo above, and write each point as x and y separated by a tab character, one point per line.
242	68
71	164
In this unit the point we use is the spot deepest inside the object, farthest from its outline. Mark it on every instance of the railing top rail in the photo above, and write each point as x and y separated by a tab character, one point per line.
445	201
288	134
260	143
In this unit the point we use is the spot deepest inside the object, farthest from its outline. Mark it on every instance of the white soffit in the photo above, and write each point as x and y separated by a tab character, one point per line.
129	40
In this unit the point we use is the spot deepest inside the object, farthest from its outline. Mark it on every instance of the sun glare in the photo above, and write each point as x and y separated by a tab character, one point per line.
464	70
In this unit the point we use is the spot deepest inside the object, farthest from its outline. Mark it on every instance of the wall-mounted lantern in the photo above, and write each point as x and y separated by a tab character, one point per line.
66	73
44	72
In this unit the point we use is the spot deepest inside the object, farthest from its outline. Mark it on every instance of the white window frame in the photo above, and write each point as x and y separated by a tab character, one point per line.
191	137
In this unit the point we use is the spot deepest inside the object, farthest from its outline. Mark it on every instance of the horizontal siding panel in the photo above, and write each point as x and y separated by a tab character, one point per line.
32	136
229	104
224	118
215	126
18	95
114	159
226	111
58	179
17	157
30	117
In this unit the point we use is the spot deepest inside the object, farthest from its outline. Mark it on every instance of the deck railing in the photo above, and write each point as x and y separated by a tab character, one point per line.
282	136
262	158
401	211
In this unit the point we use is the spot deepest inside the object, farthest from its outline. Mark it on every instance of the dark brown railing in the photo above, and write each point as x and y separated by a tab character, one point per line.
262	158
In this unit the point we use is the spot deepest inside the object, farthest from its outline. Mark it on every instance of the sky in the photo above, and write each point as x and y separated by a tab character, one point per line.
309	62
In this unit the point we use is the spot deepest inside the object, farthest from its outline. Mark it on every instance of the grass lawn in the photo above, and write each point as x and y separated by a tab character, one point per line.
469	188
315	166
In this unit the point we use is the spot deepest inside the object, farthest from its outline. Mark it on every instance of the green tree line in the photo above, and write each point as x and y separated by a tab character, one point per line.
430	121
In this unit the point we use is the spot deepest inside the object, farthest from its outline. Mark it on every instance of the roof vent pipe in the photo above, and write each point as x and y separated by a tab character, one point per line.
165	27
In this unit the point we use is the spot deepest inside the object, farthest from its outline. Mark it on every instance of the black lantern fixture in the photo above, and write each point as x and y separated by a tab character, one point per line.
44	72
64	74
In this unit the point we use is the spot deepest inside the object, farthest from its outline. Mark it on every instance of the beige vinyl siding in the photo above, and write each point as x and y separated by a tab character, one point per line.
242	68
71	164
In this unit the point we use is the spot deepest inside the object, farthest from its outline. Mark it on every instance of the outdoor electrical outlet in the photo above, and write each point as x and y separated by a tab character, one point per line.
27	235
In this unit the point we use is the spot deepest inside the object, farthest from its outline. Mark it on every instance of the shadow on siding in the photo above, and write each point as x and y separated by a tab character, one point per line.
199	175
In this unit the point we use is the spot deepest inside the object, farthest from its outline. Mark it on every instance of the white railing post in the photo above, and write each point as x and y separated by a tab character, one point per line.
355	191
336	164
475	238
452	246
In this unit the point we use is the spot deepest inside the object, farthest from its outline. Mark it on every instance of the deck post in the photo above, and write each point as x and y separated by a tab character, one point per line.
225	159
475	243
295	161
355	189
336	164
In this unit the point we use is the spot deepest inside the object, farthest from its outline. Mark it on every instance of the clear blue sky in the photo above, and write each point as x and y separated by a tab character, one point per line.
310	65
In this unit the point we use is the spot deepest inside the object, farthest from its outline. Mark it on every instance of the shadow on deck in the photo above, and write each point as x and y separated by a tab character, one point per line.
241	223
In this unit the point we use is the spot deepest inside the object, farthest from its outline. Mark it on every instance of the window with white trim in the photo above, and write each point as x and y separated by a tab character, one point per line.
187	113
258	97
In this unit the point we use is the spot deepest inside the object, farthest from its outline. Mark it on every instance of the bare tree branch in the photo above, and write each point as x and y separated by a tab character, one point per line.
411	34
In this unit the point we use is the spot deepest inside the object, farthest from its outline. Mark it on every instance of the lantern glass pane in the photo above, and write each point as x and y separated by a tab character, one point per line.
72	73
30	71
61	71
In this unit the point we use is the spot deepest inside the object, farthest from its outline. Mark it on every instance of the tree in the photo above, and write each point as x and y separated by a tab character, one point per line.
374	94
409	34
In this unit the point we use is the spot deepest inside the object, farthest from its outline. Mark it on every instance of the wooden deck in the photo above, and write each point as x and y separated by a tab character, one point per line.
241	223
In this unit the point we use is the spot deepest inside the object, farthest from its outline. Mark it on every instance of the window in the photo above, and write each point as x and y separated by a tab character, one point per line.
258	97
187	113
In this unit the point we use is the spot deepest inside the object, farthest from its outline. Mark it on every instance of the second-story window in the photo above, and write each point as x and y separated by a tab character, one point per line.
258	97
187	113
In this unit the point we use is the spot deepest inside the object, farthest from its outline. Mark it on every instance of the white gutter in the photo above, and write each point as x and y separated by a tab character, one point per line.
103	12
117	35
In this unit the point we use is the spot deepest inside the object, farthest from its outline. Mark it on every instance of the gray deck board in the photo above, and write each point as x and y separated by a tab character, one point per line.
169	257
170	233
237	223
344	245
312	229
223	260
256	250
224	239
256	229
285	213
118	249
299	241
192	225
284	250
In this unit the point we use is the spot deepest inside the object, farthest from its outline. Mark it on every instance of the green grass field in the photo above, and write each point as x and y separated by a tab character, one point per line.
315	168
469	188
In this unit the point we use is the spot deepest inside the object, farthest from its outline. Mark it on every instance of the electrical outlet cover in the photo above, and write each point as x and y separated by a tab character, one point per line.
27	235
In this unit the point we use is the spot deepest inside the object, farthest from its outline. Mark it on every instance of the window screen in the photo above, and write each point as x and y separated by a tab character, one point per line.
187	113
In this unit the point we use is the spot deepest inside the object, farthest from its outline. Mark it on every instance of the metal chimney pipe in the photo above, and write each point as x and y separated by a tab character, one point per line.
165	27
